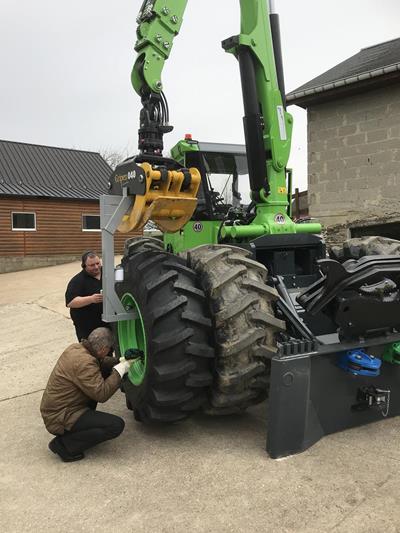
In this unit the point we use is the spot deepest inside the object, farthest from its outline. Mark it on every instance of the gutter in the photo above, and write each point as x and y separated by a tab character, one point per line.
343	82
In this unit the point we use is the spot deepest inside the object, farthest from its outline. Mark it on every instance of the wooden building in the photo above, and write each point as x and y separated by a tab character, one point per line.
49	204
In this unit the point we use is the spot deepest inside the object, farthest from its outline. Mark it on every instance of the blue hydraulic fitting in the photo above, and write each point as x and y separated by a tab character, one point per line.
359	363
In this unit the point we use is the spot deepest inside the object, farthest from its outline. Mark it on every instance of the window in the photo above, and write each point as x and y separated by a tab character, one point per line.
23	221
90	222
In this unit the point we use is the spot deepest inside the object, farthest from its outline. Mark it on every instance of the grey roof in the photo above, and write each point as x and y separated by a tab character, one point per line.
50	172
368	68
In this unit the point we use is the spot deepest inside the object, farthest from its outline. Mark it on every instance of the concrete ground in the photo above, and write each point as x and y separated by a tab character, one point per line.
206	474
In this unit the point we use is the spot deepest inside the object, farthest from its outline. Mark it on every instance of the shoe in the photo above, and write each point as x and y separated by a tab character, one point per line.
57	447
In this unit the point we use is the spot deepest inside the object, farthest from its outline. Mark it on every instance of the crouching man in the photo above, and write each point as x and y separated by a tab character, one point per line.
75	385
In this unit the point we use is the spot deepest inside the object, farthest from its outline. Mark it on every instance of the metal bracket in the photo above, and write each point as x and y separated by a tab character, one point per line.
112	209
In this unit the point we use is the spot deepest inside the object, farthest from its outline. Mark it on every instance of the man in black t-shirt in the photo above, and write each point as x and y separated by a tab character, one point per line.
84	297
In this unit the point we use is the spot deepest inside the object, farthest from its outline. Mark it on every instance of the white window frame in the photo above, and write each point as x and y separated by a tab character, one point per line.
23	213
90	215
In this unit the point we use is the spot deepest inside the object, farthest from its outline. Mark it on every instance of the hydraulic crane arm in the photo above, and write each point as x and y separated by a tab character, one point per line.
159	22
267	124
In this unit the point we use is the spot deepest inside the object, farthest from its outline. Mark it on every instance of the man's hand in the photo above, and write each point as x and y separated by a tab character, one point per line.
122	368
97	298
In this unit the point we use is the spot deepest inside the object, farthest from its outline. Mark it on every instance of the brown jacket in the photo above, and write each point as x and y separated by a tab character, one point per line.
75	380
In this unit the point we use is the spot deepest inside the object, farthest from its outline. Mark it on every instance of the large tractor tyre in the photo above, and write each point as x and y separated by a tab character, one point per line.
245	325
172	329
359	247
132	246
139	244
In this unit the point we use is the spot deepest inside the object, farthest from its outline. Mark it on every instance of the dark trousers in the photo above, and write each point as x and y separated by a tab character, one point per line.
83	331
90	429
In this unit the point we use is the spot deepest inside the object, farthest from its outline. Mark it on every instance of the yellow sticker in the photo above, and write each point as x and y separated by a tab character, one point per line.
282	190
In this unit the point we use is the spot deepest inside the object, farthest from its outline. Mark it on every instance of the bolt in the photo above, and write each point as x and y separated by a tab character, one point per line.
166	45
158	85
253	42
158	38
141	179
174	19
165	11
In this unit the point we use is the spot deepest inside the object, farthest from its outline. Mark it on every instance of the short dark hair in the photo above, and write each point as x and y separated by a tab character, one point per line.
101	338
86	255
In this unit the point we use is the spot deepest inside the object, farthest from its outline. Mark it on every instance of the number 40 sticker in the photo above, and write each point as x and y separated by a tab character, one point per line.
197	226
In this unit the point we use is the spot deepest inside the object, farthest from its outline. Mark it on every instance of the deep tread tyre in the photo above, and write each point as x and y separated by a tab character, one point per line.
359	247
140	244
132	246
244	322
177	329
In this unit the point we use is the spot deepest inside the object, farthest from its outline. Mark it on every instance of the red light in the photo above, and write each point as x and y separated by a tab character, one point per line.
188	136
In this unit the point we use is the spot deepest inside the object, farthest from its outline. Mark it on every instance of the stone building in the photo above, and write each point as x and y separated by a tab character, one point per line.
353	114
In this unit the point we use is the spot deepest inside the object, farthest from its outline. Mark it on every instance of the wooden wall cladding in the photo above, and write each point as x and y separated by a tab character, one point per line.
58	228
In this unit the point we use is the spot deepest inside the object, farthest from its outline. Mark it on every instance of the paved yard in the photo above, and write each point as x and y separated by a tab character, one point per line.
204	475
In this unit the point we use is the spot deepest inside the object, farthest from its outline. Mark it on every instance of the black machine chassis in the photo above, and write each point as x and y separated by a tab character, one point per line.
309	395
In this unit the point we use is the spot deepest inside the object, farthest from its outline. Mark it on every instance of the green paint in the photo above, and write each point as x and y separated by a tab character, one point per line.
179	151
193	234
256	35
131	334
391	353
155	35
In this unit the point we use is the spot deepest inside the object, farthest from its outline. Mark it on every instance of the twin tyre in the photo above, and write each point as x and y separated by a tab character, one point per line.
205	325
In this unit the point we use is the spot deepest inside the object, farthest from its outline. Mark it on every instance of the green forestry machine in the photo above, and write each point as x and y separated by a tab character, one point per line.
238	302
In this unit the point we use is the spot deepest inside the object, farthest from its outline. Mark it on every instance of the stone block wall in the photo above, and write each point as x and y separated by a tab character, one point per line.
354	157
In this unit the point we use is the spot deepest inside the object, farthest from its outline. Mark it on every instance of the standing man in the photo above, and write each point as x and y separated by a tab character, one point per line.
76	383
84	297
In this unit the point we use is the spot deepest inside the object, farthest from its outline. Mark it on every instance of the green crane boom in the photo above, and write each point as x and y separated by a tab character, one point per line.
267	124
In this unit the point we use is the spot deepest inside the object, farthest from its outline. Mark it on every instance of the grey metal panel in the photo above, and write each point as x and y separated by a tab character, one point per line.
45	171
223	148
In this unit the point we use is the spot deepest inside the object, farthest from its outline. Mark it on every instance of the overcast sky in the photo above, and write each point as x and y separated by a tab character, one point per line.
65	68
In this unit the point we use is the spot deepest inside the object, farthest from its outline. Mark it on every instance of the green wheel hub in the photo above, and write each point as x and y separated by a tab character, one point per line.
131	334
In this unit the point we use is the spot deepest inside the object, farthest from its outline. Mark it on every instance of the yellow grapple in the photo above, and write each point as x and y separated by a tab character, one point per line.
164	202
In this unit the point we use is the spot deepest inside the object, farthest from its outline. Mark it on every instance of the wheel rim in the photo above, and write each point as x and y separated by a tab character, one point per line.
131	334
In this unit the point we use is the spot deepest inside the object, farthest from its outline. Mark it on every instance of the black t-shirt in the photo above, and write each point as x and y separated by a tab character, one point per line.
87	318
